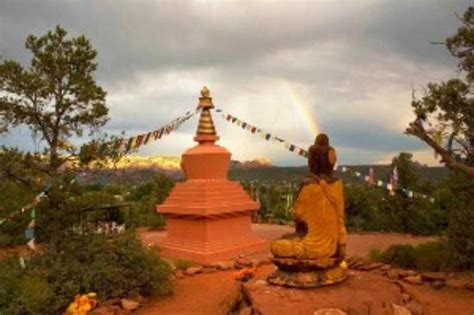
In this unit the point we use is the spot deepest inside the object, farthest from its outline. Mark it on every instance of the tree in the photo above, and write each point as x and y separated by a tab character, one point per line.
445	114
407	173
57	96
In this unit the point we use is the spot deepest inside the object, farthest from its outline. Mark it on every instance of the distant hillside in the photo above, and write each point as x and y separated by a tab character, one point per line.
296	174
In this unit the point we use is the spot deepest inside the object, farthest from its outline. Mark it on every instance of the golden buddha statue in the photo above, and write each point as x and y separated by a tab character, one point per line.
314	255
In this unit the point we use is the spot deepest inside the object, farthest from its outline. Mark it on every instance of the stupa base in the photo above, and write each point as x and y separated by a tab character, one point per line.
211	252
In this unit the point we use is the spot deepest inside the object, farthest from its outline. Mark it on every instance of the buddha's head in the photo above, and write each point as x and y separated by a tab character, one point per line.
323	155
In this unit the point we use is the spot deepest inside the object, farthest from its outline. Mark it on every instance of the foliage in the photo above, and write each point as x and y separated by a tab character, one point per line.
430	256
114	267
444	115
57	96
408	175
146	196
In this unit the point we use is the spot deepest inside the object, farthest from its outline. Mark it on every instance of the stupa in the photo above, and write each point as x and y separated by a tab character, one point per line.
208	216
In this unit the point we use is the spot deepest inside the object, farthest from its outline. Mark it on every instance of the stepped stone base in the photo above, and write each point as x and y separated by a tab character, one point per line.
209	221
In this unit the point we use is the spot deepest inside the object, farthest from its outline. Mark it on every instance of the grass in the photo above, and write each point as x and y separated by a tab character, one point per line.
183	264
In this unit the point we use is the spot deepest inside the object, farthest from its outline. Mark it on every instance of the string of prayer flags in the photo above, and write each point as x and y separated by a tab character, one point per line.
391	186
137	141
263	134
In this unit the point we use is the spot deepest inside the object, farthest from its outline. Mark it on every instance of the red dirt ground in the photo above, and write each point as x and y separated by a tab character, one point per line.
363	293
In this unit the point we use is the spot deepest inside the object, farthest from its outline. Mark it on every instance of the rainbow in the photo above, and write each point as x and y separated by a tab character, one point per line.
305	111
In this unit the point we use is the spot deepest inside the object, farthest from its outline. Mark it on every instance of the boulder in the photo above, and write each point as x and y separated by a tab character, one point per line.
386	267
191	271
179	274
129	305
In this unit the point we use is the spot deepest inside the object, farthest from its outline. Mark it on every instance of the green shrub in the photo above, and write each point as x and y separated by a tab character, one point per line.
430	256
111	267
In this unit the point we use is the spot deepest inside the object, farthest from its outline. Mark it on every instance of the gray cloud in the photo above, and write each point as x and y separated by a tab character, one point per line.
355	63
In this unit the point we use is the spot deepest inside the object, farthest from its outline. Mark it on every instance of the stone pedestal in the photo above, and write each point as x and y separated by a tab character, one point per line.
208	216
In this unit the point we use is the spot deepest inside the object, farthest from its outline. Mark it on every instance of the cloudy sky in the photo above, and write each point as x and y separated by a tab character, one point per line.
347	66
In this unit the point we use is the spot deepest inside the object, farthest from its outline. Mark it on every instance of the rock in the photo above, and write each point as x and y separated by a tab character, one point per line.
179	274
393	274
106	310
433	276
223	265
406	297
243	262
415	307
469	286
407	273
457	283
114	301
438	284
191	271
207	270
413	279
266	261
129	305
386	267
358	265
372	266
400	310
330	311
246	311
256	262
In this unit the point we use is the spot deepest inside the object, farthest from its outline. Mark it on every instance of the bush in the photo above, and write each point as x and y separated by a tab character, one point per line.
430	256
114	267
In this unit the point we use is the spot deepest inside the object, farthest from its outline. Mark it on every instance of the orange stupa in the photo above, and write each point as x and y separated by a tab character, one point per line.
208	216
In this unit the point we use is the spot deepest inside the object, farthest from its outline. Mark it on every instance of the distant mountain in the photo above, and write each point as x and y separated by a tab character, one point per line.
296	174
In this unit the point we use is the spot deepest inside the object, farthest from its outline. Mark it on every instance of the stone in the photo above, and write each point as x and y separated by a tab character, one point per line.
330	311
242	262
129	305
469	286
438	284
114	301
372	266
407	273
208	270
393	274
386	267
415	307
246	311
224	265
406	297
433	276
400	310
191	271
457	283
413	279
179	274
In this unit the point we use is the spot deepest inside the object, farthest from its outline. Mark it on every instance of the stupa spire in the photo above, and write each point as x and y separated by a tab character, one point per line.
206	132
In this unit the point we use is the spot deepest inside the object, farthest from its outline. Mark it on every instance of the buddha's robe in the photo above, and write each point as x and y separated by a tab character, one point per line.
321	207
